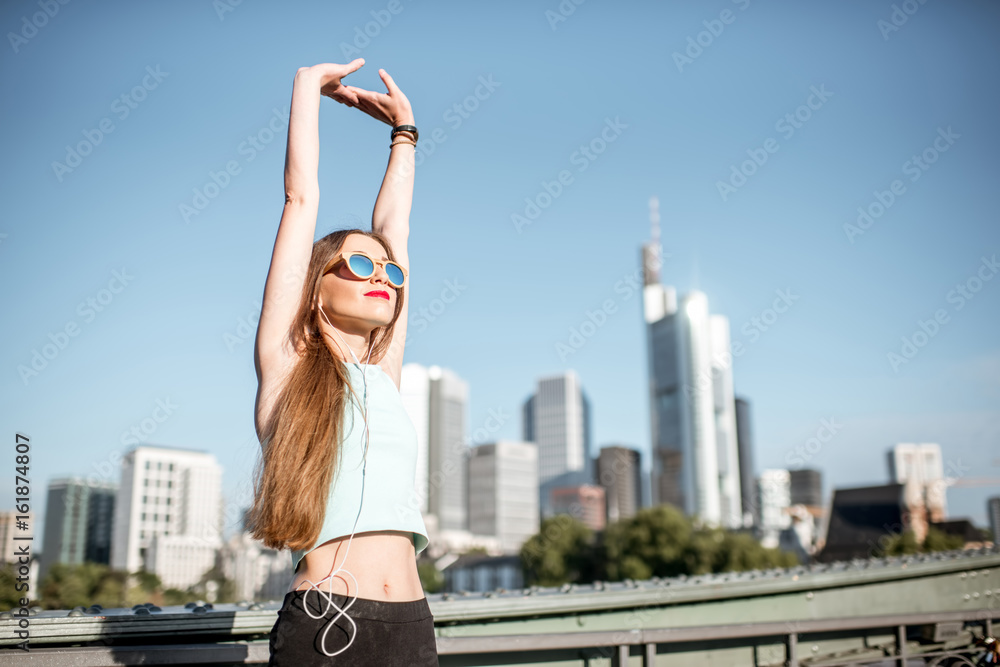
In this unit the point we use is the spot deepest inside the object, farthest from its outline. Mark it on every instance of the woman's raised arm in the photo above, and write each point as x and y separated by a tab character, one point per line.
391	214
273	356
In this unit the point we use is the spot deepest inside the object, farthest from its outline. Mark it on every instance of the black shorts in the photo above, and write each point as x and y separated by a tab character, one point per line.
387	633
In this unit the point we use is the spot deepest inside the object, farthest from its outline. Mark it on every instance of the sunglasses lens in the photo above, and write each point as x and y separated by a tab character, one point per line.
394	273
361	266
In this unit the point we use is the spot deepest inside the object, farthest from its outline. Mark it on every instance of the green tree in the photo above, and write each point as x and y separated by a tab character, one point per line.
739	551
67	586
905	543
10	597
703	550
562	551
430	578
148	582
658	541
175	596
225	590
661	541
651	543
141	587
938	540
897	544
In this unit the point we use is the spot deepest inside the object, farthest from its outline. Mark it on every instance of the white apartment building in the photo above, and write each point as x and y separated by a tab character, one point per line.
168	514
921	468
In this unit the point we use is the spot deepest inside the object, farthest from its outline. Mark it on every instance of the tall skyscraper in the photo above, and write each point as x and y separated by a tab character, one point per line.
920	467
78	519
744	446
557	420
619	474
993	514
692	408
806	487
168	514
437	401
503	492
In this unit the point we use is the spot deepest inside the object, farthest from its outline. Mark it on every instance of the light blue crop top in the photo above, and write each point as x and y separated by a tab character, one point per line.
390	498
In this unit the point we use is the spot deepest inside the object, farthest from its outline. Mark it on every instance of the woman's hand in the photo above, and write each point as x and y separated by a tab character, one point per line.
391	108
329	76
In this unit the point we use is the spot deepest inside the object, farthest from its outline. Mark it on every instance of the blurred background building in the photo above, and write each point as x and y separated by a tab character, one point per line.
78	520
557	419
168	514
692	406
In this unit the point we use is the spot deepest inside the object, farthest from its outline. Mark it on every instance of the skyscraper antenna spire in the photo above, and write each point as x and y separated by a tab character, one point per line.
654	219
652	251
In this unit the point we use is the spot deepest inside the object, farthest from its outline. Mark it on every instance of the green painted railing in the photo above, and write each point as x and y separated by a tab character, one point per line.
882	611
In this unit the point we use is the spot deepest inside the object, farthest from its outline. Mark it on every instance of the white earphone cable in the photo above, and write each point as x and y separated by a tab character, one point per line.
328	594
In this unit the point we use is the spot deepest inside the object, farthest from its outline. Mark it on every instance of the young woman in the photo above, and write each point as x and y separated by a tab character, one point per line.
335	479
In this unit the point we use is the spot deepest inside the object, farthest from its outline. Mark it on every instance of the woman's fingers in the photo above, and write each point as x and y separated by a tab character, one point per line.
390	85
400	105
372	103
343	95
368	97
382	106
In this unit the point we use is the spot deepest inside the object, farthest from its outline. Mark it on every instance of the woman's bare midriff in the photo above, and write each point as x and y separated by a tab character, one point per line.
383	562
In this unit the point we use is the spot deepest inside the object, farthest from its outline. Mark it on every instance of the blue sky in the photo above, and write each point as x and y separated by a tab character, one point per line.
162	96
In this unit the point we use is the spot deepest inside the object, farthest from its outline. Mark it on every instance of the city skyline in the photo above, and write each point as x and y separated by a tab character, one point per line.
134	317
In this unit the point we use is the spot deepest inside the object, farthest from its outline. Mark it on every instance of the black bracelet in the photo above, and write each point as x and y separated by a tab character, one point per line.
404	128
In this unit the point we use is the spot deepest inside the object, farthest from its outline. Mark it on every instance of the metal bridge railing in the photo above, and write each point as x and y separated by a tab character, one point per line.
672	646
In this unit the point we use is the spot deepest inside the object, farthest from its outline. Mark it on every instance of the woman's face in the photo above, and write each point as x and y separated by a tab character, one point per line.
354	304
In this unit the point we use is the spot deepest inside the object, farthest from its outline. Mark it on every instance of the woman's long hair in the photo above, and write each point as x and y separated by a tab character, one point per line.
303	432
